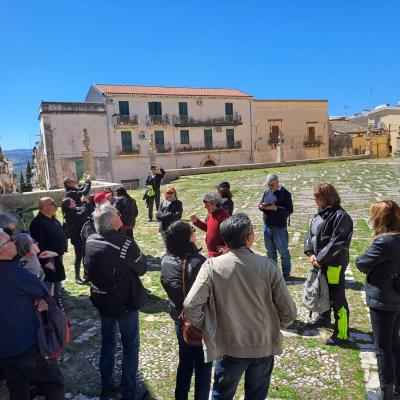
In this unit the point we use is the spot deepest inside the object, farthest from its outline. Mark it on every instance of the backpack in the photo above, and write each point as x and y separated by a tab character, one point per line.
87	229
316	293
54	332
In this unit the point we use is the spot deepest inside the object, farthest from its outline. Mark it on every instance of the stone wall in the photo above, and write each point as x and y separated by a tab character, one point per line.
30	200
172	174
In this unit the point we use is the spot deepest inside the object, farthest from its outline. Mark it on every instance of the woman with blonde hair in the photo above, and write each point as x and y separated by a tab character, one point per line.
327	244
170	210
381	264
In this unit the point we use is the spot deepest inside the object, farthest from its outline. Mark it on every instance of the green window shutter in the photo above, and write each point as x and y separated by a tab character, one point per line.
185	136
123	107
229	109
159	139
126	140
155	108
183	109
208	140
230	138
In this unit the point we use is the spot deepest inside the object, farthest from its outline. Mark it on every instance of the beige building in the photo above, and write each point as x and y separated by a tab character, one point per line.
386	119
131	127
301	124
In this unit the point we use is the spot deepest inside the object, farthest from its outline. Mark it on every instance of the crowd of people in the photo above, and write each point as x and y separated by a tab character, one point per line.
228	309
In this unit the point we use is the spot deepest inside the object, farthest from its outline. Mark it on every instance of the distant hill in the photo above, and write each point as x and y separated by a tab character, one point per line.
20	158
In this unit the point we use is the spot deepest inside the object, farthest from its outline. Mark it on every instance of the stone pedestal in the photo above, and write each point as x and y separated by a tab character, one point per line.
397	152
88	163
152	151
279	149
368	144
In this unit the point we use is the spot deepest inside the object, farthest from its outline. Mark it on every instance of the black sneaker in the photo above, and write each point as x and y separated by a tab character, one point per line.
79	281
319	322
334	341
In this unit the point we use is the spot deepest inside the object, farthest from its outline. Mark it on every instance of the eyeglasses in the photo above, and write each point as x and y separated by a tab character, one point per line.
8	241
193	229
317	195
170	193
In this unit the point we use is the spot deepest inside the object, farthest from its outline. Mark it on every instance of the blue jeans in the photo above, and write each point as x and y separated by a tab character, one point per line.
257	377
191	358
277	239
129	329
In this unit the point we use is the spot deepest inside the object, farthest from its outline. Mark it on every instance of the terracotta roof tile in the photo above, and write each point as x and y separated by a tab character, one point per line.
346	127
168	91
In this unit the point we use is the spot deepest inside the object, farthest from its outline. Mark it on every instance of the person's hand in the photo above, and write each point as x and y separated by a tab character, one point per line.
50	266
84	199
314	261
88	178
271	207
222	250
47	254
193	218
41	305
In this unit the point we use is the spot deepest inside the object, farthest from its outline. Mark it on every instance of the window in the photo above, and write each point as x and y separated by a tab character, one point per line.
183	109
184	136
311	134
274	134
230	138
229	109
159	138
123	107
126	140
208	141
155	108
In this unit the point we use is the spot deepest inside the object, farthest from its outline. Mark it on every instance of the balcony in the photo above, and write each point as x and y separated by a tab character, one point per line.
126	120
161	120
201	146
312	142
128	150
187	121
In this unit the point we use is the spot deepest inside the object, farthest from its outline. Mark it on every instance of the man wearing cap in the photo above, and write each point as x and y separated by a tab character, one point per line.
276	205
154	180
75	192
224	190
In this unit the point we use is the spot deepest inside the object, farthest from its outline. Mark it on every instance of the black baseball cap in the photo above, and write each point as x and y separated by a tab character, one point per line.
224	185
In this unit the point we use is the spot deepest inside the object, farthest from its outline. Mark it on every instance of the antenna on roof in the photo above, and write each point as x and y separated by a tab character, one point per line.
346	110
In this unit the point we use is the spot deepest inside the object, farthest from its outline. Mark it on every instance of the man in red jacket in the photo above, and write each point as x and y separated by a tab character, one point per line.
216	215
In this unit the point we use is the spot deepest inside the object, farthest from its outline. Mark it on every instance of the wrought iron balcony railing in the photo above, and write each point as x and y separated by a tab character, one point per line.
226	120
312	142
127	150
202	146
126	120
162	120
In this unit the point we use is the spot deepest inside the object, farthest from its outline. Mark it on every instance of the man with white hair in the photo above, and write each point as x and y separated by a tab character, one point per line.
216	215
113	263
20	359
276	205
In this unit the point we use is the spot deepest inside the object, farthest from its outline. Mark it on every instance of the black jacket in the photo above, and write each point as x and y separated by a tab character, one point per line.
331	242
75	218
113	263
50	235
128	210
77	193
227	203
155	180
380	262
167	214
285	208
172	279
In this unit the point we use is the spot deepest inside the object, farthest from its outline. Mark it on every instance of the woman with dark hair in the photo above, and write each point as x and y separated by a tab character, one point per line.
381	264
74	218
327	244
127	207
180	240
224	190
170	210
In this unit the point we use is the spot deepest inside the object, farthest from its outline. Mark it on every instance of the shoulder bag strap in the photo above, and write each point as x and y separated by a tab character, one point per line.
184	277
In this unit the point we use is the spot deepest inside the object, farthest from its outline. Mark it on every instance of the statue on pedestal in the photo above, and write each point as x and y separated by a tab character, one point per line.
152	151
87	153
279	148
85	140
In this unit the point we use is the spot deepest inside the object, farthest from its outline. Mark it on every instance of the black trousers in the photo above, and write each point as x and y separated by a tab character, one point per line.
155	199
386	331
30	368
79	253
336	283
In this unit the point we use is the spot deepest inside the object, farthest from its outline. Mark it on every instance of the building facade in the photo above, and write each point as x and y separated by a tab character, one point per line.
302	126
7	177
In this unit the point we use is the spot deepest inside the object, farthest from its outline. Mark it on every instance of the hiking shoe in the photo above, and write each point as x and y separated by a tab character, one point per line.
334	341
79	281
319	322
109	393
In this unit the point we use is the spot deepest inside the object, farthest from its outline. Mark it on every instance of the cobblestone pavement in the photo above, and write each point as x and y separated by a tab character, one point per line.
307	369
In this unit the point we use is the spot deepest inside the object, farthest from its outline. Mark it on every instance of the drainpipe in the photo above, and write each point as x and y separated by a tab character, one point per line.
109	142
251	132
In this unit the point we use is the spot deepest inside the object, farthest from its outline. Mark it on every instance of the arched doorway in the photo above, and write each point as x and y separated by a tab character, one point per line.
209	163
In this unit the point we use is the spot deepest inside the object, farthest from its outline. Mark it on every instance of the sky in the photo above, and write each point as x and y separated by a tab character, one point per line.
347	52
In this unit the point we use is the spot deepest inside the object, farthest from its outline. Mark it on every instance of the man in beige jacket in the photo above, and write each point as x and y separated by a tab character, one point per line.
241	302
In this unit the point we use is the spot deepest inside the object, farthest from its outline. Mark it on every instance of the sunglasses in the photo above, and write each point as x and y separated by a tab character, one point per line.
193	229
170	193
